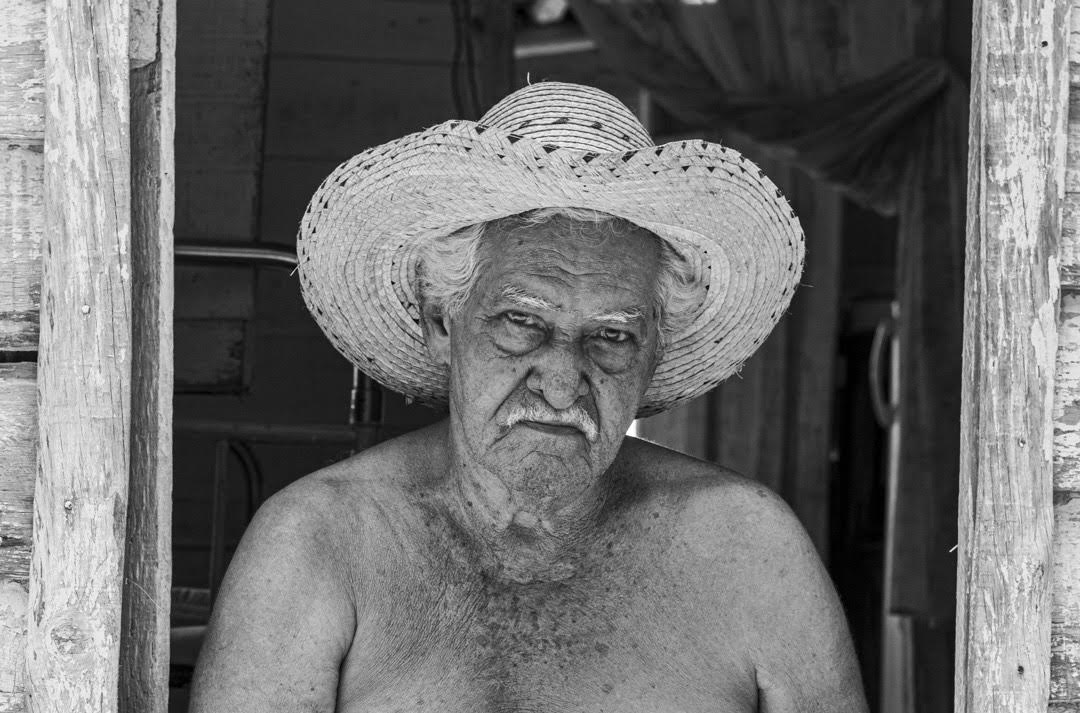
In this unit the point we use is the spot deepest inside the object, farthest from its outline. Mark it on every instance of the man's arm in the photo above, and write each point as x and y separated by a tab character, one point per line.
751	553
284	618
805	661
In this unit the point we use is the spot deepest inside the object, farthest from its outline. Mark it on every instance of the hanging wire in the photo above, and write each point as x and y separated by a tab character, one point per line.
470	58
466	97
455	60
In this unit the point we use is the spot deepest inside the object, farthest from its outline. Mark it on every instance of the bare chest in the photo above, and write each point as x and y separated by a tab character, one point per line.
614	638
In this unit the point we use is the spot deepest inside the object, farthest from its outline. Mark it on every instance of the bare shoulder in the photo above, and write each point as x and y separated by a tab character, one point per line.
740	551
373	481
291	600
703	495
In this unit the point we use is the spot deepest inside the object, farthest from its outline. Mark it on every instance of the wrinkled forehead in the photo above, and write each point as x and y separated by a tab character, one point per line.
573	266
610	232
615	246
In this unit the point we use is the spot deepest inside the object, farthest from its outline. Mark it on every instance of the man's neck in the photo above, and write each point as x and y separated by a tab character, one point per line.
518	538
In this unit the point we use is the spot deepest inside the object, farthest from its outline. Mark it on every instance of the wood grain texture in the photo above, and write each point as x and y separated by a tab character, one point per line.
1065	614
13	689
1062	707
1070	227
18	441
22	69
84	366
1015	188
1067	396
144	644
22	195
143	32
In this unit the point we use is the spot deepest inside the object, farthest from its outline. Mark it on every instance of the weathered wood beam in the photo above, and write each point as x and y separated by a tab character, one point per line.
1070	229
22	166
22	124
144	642
84	367
1015	190
22	66
18	440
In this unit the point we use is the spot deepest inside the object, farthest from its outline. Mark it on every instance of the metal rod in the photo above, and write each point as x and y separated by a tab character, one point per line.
547	41
248	253
269	432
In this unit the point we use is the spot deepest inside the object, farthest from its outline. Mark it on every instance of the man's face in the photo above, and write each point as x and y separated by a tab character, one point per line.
550	356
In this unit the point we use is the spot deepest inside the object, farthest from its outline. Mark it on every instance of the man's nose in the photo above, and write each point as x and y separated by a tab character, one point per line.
558	376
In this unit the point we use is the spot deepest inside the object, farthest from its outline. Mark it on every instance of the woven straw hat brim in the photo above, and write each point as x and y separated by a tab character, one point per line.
357	256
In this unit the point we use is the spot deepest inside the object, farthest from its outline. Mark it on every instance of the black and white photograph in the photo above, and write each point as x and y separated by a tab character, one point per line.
539	356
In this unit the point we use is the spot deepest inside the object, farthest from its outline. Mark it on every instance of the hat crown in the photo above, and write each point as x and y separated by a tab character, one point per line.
570	116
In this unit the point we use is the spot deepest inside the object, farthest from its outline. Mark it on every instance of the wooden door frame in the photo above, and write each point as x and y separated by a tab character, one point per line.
99	582
1017	156
98	635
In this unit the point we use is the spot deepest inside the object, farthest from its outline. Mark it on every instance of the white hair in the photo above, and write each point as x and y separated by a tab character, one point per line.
449	266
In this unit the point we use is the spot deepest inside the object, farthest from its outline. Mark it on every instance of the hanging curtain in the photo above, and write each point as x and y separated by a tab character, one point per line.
856	94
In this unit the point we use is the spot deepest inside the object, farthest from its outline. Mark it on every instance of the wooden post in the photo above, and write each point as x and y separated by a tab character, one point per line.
1015	188
84	363
144	643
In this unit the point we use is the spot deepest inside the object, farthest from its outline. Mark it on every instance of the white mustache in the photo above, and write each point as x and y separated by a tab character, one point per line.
575	416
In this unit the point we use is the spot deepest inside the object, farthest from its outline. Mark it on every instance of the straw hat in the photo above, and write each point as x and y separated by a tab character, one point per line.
547	145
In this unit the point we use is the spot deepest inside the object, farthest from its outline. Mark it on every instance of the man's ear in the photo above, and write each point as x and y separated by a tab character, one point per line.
436	327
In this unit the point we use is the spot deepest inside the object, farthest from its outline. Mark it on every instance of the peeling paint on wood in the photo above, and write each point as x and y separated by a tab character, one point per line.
1067	396
22	66
22	210
1065	612
1070	222
1015	187
1065	615
143	32
1062	707
13	599
18	439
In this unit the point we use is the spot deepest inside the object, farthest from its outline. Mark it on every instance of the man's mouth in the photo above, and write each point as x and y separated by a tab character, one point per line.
554	429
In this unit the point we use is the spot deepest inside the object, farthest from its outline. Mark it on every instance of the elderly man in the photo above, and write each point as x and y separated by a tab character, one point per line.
548	274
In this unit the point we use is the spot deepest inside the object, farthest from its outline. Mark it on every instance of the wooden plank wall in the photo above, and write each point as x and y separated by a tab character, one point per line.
22	125
18	441
220	105
340	76
1065	611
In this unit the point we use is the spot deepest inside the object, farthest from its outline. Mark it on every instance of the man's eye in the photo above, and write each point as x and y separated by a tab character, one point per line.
614	336
520	318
